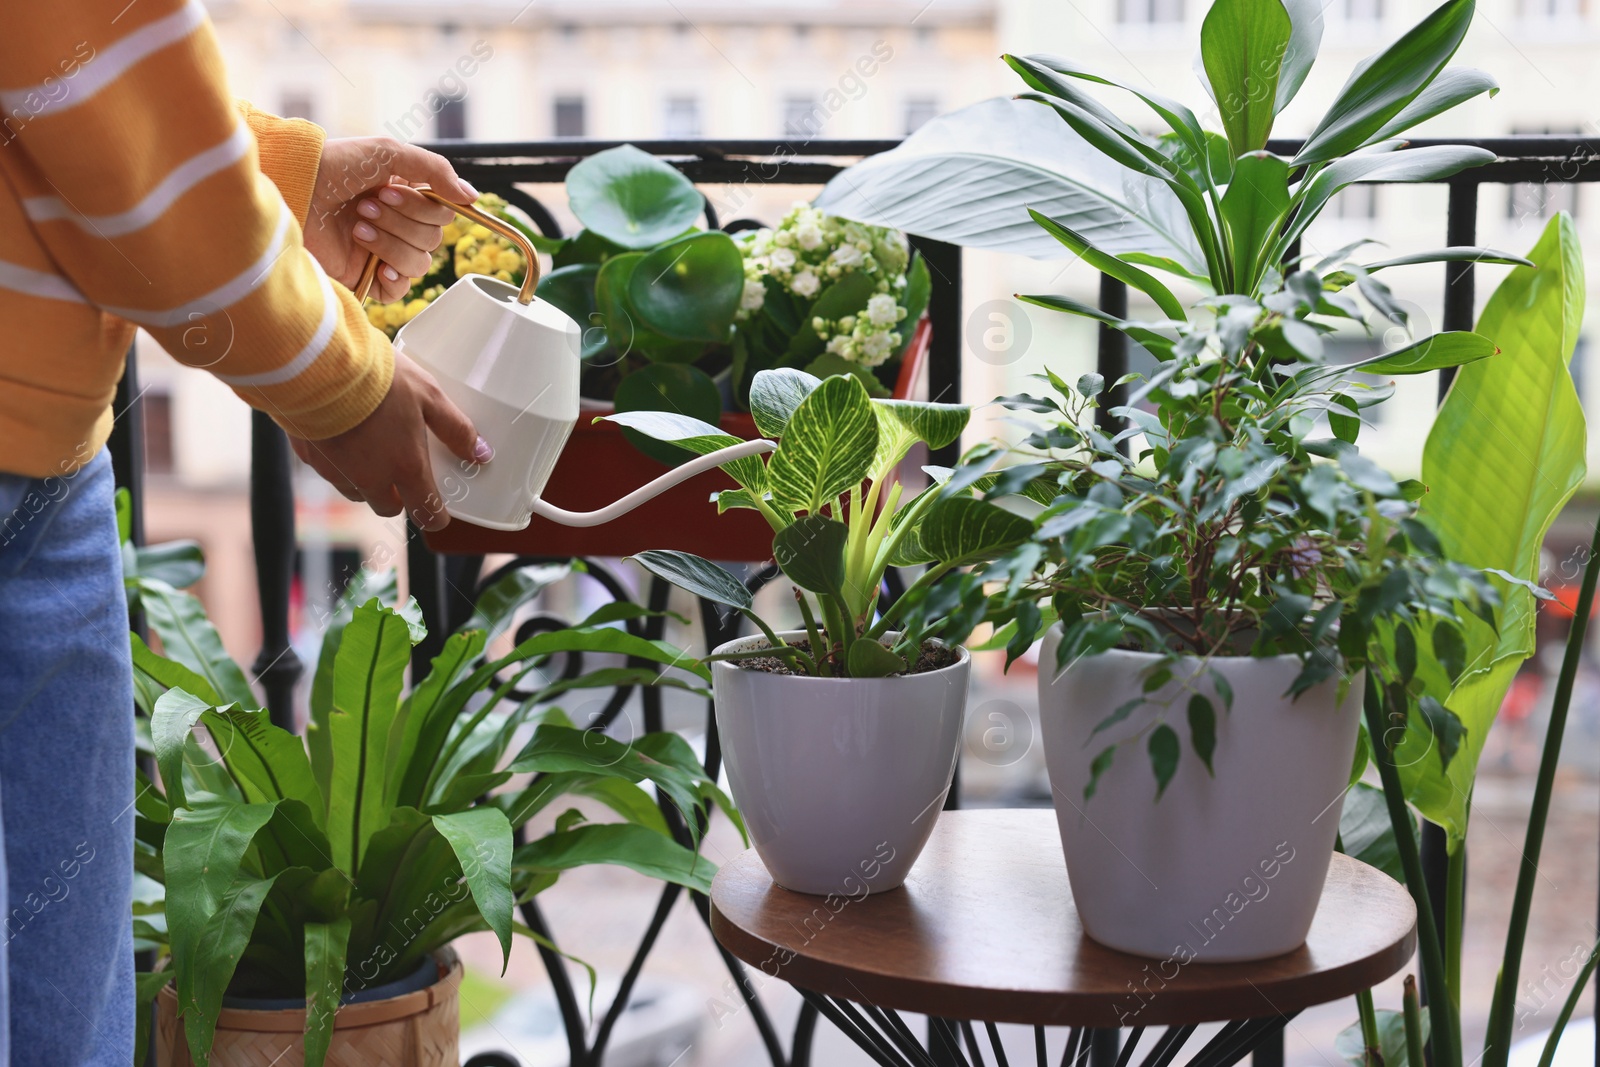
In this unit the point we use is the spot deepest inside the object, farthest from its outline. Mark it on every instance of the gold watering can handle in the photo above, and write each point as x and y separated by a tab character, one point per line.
530	278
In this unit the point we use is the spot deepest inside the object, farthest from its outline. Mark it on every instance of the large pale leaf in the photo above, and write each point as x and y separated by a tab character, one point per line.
368	677
481	840
970	177
326	944
1505	455
1382	85
827	446
623	844
1242	44
1305	38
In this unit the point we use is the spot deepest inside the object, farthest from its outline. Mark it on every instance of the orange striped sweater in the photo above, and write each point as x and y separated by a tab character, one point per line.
136	194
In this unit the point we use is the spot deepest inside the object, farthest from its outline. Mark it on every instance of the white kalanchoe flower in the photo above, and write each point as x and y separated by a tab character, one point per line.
847	323
805	284
782	260
783	238
755	294
847	256
883	311
876	348
808	236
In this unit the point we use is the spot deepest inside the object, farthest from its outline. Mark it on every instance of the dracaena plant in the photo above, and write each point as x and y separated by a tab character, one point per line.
841	516
279	866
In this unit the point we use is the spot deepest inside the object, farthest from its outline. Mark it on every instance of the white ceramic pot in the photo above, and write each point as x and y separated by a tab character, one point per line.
840	780
1222	868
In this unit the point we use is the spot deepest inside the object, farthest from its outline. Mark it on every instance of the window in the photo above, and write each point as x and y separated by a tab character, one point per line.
450	124
1537	201
296	104
1552	10
682	118
801	116
1363	10
156	409
1149	12
919	109
569	120
1356	202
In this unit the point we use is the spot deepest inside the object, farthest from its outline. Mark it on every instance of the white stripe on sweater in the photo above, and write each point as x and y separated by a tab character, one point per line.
224	295
20	279
184	176
108	64
307	355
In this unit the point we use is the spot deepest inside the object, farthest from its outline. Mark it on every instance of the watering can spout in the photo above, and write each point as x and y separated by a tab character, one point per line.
698	465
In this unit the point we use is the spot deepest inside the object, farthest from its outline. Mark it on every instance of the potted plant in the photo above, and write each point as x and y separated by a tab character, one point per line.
841	735
1218	597
302	893
681	319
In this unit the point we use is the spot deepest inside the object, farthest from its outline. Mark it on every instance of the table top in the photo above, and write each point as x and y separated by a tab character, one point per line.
985	929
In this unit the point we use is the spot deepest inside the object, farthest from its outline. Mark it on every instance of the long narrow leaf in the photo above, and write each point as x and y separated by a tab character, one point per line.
326	946
1106	263
368	677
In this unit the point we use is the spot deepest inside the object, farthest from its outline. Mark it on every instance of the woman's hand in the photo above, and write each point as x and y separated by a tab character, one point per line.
363	203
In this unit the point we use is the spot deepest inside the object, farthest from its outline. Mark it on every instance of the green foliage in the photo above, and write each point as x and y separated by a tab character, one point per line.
308	867
840	518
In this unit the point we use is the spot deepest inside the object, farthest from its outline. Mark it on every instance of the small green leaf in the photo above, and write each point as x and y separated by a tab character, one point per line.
1098	766
1449	349
1164	749
1123	711
1405	651
869	659
811	553
699	576
1203	730
1449	648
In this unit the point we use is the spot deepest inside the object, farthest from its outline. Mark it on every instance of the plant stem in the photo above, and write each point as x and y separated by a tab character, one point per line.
934	572
820	665
836	621
1415	1056
1445	1036
1455	914
1372	1047
776	645
1497	1041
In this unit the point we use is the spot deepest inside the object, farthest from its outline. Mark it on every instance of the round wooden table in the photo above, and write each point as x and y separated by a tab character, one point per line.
984	929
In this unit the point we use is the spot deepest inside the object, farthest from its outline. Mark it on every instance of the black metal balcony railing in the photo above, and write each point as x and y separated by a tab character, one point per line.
447	587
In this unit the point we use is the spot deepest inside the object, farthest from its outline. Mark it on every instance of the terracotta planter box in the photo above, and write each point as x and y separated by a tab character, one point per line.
599	466
419	1029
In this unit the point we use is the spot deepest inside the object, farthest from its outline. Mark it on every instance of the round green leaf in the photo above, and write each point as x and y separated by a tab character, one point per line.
626	331
689	289
572	290
631	198
673	387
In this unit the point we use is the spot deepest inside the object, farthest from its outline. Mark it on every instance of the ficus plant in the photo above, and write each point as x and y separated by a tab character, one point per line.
841	516
313	867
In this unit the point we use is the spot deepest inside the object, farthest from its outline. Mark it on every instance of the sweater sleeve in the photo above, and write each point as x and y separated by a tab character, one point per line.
291	151
148	191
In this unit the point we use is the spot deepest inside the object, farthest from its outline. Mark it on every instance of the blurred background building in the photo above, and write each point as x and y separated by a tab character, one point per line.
508	70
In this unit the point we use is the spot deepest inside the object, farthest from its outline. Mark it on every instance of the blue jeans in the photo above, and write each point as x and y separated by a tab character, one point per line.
66	775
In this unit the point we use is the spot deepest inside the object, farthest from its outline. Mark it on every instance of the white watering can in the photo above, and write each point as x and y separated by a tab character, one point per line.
511	362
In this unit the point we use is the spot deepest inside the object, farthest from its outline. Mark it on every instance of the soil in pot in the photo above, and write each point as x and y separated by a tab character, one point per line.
933	656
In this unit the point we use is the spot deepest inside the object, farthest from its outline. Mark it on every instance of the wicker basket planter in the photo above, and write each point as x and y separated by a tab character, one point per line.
417	1029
